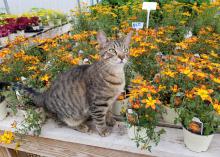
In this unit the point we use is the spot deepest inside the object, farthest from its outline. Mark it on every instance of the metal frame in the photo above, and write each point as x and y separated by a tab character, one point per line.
6	6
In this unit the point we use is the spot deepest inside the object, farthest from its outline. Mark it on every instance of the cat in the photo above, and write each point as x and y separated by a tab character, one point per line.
86	91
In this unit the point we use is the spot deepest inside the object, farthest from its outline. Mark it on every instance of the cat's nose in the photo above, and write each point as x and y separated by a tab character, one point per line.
121	56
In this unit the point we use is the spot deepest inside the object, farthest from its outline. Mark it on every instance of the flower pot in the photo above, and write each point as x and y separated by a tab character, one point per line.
3	108
195	142
20	33
3	41
12	36
51	23
58	22
170	115
118	105
36	28
188	34
133	131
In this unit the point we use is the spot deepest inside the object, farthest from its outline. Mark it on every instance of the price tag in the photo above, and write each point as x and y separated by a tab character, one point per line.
137	25
149	6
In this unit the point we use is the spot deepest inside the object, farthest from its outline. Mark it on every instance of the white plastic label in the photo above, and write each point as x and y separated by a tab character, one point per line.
149	6
137	25
130	111
198	121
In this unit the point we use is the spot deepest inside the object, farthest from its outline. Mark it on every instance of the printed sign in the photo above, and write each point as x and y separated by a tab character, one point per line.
149	5
137	25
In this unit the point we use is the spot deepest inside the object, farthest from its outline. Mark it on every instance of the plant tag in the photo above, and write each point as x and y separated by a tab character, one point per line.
132	117
18	95
149	6
137	25
196	126
130	111
23	79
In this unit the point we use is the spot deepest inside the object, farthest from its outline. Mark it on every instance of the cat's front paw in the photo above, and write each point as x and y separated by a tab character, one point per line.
104	131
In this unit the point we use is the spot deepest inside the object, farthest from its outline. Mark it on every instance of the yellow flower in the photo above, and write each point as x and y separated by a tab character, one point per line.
45	78
7	137
32	68
213	54
204	93
186	14
216	106
138	80
161	87
169	73
75	60
201	74
95	57
150	102
6	69
215	79
187	71
204	56
14	124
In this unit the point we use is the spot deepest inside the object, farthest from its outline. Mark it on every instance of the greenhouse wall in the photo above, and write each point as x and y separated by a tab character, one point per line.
21	6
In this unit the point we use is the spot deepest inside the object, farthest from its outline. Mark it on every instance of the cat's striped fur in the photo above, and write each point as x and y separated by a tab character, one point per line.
87	90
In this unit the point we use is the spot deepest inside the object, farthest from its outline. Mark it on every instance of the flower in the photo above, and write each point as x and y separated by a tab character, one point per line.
150	102
169	73
174	88
7	137
216	106
204	93
45	78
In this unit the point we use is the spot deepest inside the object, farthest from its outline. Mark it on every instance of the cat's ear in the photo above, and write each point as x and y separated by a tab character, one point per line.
101	38
127	39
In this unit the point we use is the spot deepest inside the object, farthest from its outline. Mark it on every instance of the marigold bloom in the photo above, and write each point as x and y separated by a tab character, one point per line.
7	137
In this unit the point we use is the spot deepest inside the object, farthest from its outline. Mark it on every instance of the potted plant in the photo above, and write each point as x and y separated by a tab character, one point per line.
142	115
120	104
171	94
4	32
200	96
199	118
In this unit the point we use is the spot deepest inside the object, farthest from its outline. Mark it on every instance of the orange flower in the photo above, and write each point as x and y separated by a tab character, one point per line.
216	106
174	88
136	105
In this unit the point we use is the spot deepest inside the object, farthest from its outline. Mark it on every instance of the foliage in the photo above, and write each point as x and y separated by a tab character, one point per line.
145	107
200	96
47	15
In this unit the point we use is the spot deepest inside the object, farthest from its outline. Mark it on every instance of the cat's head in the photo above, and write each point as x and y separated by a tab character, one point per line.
116	51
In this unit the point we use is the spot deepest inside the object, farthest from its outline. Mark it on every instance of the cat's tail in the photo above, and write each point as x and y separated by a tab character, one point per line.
36	97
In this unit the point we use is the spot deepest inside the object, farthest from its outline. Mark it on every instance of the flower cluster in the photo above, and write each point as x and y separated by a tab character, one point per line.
7	138
11	25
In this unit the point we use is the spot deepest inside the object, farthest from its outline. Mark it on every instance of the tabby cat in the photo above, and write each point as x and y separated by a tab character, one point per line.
86	91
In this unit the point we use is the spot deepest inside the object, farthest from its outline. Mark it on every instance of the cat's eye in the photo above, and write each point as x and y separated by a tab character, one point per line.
112	51
125	50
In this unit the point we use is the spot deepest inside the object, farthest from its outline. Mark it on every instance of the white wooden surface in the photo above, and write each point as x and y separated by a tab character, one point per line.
171	144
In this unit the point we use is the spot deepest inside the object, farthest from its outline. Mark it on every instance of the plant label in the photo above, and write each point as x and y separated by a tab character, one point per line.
137	25
196	125
149	6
